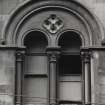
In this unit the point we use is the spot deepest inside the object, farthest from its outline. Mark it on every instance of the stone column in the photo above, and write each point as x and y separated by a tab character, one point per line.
19	77
86	77
53	54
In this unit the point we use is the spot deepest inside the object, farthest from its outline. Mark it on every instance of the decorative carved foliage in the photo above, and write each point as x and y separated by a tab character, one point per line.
86	56
53	24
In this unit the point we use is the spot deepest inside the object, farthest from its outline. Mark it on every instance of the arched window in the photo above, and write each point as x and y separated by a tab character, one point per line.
70	69
53	74
35	72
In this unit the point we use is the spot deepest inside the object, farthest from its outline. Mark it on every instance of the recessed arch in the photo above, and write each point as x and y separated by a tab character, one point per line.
36	41
84	42
70	41
30	7
20	39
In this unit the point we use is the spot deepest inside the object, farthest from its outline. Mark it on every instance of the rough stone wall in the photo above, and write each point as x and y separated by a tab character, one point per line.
97	7
6	8
7	77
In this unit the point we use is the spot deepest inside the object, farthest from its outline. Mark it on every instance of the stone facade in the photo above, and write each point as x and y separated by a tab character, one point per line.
86	17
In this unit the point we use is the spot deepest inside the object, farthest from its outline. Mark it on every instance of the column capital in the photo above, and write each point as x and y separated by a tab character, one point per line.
86	55
53	53
20	55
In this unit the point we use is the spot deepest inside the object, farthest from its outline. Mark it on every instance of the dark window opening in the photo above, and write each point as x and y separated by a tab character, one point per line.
35	42
70	79
70	65
70	69
70	42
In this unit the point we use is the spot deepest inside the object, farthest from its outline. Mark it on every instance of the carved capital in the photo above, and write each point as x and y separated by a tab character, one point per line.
20	56
86	55
53	56
53	53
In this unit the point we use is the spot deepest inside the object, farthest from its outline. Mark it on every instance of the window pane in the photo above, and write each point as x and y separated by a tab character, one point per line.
70	65
36	65
35	90
70	91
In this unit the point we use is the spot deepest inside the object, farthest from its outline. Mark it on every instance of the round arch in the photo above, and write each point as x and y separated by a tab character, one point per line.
27	33
70	41
76	33
20	15
35	41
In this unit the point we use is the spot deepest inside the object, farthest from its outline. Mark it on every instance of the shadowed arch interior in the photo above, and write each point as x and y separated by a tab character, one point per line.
36	41
70	42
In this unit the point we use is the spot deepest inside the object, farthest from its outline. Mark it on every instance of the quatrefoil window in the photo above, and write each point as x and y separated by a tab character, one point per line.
53	24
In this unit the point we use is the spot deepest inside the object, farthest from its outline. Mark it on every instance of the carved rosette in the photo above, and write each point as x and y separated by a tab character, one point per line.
53	24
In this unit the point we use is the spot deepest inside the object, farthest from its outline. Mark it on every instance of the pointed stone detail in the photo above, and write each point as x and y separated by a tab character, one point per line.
53	24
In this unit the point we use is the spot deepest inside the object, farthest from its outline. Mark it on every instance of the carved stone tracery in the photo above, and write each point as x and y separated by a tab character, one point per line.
53	24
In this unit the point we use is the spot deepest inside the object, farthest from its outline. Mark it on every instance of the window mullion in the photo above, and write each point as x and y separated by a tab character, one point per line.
53	54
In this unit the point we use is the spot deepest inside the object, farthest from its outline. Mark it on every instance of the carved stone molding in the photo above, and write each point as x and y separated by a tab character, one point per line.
32	7
53	24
